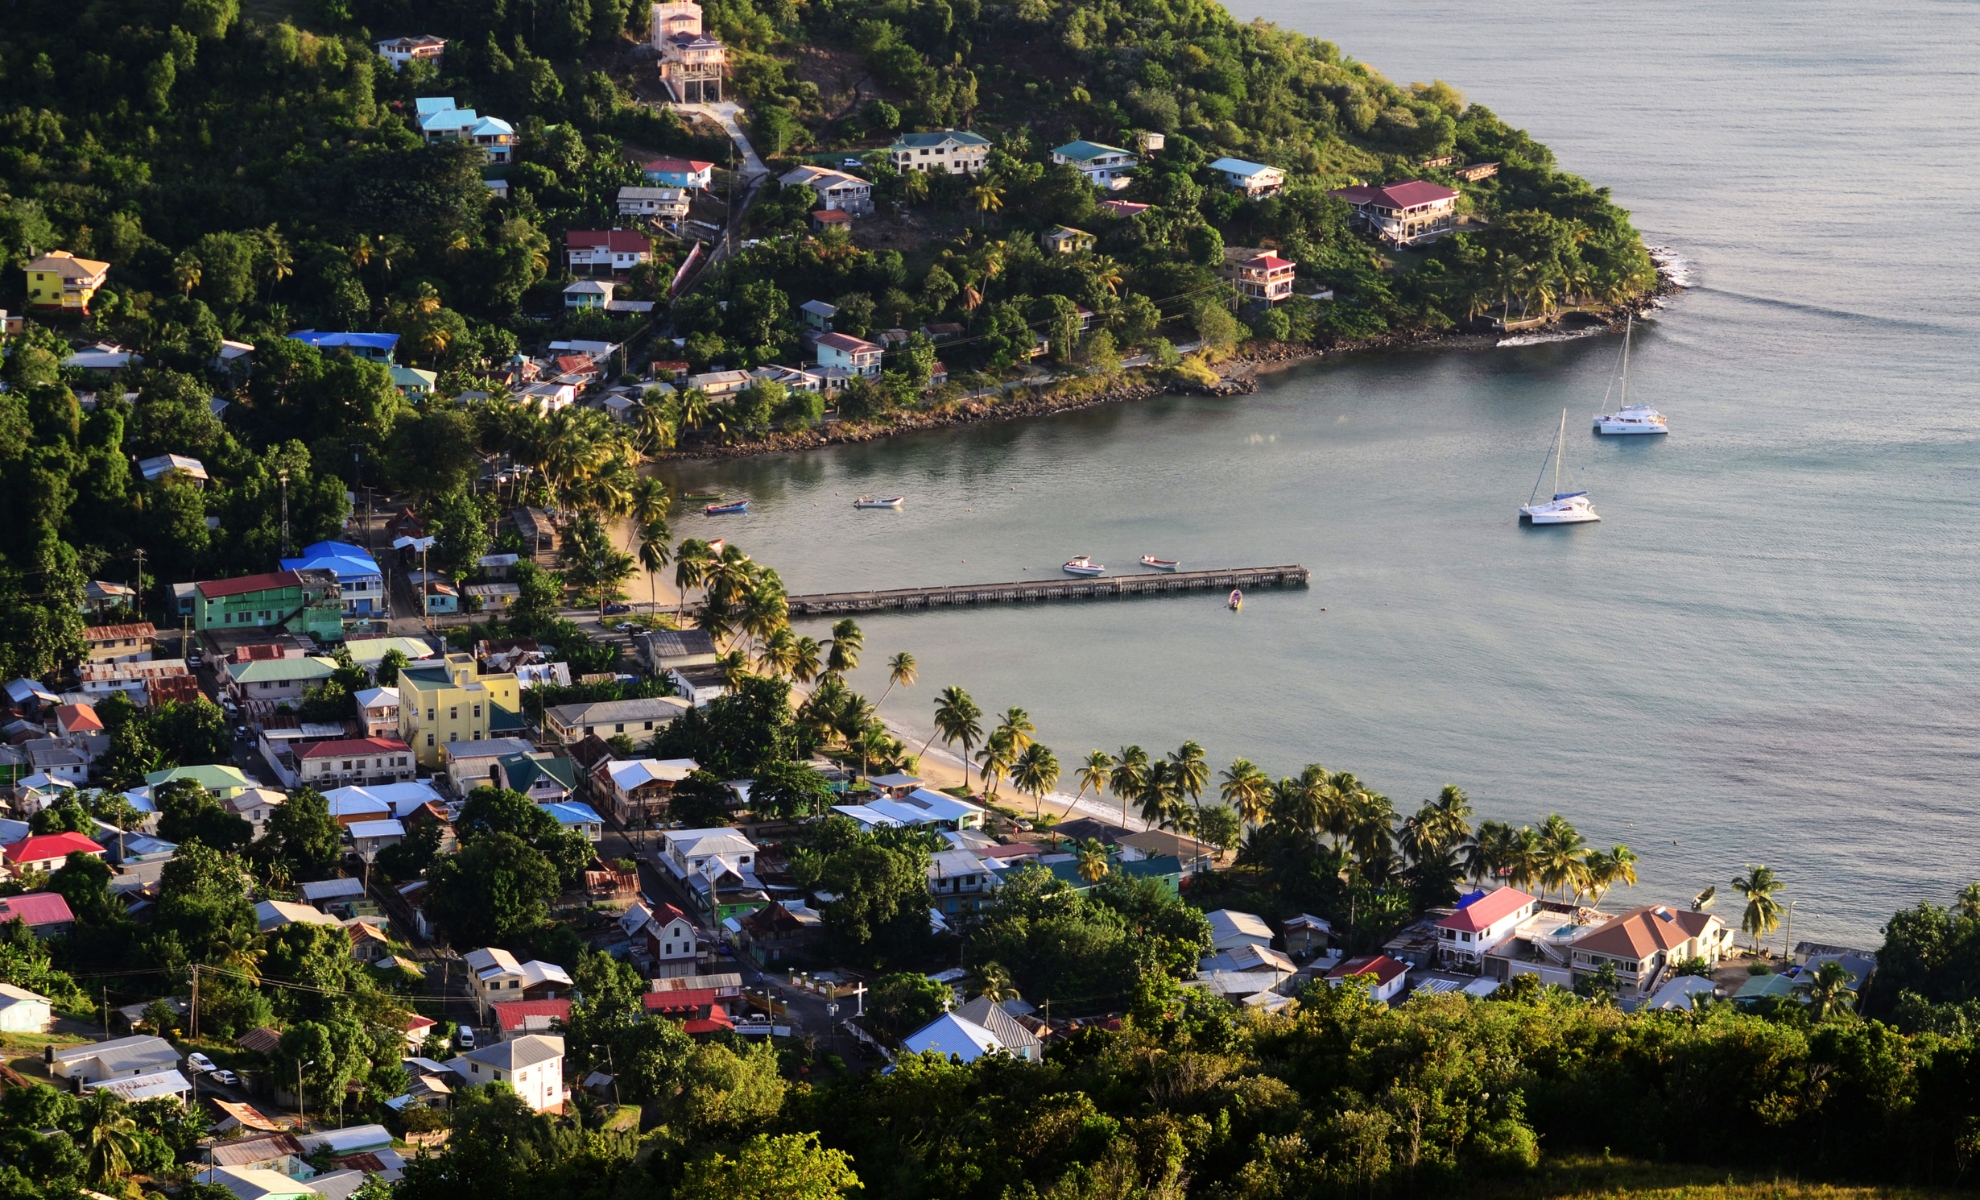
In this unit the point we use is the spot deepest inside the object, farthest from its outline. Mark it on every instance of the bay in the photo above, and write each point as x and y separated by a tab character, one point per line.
1765	652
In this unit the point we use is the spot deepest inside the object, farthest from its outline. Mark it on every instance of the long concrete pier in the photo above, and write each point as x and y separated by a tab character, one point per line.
1097	587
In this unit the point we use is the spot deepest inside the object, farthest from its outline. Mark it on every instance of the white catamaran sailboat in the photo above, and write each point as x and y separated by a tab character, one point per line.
1629	418
1566	508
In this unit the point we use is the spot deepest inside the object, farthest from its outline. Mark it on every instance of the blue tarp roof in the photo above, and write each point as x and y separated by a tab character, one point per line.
330	341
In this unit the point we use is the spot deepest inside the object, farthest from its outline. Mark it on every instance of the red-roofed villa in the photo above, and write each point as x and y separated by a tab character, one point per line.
355	761
1479	924
1402	213
46	851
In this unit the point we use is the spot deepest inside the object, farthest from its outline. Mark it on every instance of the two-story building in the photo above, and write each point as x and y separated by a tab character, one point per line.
439	120
664	932
847	353
692	62
613	249
958	882
1481	923
469	765
666	205
1104	166
690	174
950	151
1266	278
1645	944
360	582
306	602
1253	179
637	719
1064	239
378	711
642	788
355	762
837	191
58	281
119	643
452	701
532	1064
1401	214
495	974
402	50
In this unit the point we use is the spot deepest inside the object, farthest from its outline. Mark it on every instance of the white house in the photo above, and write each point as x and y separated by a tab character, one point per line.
1253	179
380	709
21	1011
686	850
665	204
1464	937
532	1064
1104	166
120	1058
498	976
837	191
846	352
666	932
1385	975
952	151
588	293
402	50
954	1034
1402	213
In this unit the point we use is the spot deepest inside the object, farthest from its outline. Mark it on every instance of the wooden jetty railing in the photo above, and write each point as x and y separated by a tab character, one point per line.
1070	588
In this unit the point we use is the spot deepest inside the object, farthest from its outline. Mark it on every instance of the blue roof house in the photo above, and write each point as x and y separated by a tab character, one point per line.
363	584
377	347
1253	179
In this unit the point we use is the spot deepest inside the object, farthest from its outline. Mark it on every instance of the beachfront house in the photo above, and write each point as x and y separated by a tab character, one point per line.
1266	278
1482	921
848	353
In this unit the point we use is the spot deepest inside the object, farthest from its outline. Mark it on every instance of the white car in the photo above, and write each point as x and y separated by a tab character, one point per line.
226	1077
199	1062
465	1039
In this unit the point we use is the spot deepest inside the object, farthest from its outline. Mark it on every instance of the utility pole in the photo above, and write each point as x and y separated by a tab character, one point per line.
138	596
284	474
193	1015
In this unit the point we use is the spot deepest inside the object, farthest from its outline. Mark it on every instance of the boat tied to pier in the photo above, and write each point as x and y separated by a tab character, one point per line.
1160	564
1083	565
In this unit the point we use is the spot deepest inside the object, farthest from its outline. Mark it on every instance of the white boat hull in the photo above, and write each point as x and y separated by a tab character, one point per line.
1615	428
1570	517
877	503
1084	570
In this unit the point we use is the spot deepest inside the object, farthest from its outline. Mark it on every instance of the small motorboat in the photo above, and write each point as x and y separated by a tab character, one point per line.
703	497
1236	601
1160	564
870	502
1084	565
723	510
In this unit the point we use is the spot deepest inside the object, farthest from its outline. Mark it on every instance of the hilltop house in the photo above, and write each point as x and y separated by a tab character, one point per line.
615	249
685	173
439	121
837	191
1064	239
665	204
378	347
1104	166
59	281
1401	214
691	62
955	151
402	50
1253	179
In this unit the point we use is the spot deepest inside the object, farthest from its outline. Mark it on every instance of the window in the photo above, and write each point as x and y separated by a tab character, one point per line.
649	724
429	714
347	764
454	713
477	712
453	735
619	728
429	741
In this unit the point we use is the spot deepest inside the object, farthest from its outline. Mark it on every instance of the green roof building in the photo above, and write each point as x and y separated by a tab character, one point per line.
222	781
308	602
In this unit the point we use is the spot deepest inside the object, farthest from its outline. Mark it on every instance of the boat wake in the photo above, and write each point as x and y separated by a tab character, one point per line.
1535	339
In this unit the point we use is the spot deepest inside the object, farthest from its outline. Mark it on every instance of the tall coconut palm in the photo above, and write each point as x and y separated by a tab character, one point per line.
1829	994
901	671
1523	858
692	560
1092	773
1129	775
1035	771
694	408
1563	857
805	661
995	759
1247	789
847	642
1606	868
653	541
1190	770
1449	815
1017	728
1485	853
649	502
109	1136
1160	794
987	196
1760	886
654	425
957	723
1308	802
994	982
779	653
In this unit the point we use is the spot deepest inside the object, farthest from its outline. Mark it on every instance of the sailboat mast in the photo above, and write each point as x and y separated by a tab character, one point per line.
1628	328
1560	444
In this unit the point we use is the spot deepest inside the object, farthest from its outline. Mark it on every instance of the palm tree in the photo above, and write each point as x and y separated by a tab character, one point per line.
653	539
653	427
110	1135
847	642
1606	868
1093	863
957	722
1091	774
1830	992
650	502
1159	794
692	561
1129	776
915	184
900	670
695	407
996	758
1107	273
987	196
734	667
779	653
1247	789
1190	770
1763	912
1563	856
1017	729
994	983
1486	854
186	272
1036	771
805	660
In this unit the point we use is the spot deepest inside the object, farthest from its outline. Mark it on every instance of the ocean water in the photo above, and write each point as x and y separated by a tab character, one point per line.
1768	650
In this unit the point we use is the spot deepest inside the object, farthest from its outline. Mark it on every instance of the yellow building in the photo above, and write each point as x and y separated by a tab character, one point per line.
451	701
59	280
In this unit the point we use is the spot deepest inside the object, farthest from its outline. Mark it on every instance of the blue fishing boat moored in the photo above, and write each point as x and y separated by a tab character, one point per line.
723	510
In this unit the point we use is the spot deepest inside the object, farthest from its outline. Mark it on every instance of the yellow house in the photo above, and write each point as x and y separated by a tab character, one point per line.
451	701
59	280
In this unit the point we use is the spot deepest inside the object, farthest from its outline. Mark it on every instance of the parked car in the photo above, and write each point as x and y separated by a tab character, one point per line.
625	627
226	1077
850	163
615	609
465	1038
199	1062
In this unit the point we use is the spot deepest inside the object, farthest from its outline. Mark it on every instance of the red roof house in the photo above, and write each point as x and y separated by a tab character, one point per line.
241	585
1386	975
77	718
46	914
1475	928
350	747
46	851
518	1017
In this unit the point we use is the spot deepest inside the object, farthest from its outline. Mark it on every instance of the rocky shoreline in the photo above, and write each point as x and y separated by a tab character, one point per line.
1237	376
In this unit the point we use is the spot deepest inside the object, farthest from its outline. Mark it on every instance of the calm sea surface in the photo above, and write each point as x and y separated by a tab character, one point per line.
1768	651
